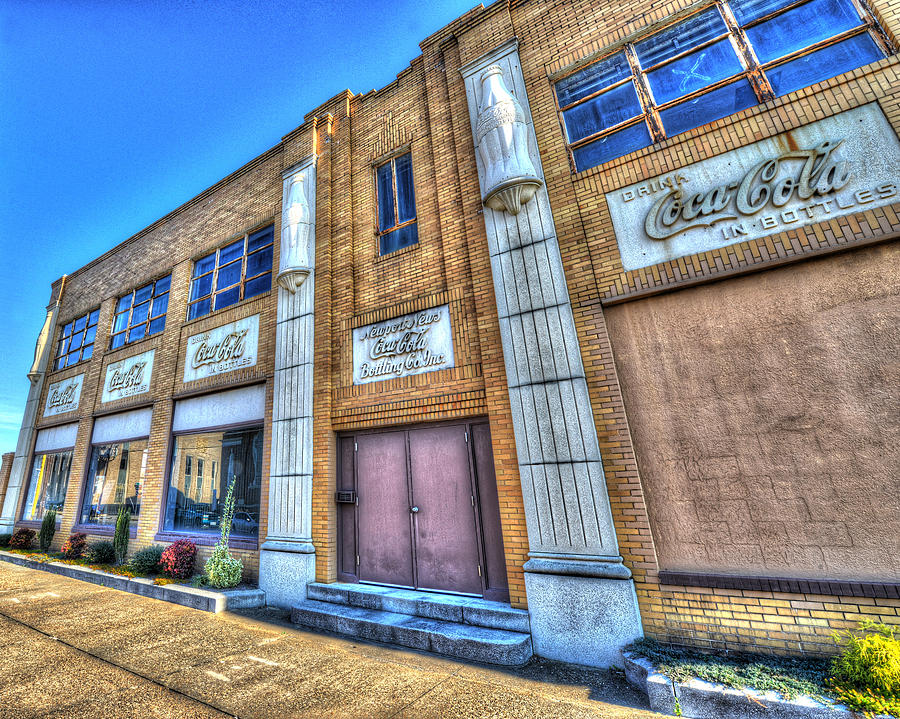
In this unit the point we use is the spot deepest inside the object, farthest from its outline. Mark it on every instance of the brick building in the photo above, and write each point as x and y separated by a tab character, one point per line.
591	313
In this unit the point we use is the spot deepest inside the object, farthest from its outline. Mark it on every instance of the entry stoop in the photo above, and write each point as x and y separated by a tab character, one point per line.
461	627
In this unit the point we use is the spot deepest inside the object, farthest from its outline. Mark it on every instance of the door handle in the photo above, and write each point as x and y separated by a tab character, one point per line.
414	510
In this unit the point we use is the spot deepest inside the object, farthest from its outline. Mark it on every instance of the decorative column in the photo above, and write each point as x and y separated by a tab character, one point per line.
287	560
581	598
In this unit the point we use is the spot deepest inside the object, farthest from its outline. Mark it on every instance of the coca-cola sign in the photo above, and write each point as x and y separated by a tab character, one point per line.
128	377
411	344
842	164
63	396
223	349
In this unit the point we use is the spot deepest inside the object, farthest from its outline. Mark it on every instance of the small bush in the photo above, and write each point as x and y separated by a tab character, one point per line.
120	539
22	538
75	546
101	553
4	540
222	570
48	529
178	559
866	675
146	560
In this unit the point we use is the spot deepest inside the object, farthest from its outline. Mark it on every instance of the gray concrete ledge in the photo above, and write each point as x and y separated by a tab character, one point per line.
568	567
698	699
206	600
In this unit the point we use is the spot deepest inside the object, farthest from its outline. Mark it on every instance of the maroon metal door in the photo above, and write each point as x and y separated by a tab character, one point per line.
385	537
447	556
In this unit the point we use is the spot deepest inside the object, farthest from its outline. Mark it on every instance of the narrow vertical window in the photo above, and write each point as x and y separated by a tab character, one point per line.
396	202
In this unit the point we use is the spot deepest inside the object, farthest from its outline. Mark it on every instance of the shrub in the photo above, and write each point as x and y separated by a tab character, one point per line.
22	538
75	546
178	559
120	538
101	553
222	570
4	540
48	529
866	675
146	560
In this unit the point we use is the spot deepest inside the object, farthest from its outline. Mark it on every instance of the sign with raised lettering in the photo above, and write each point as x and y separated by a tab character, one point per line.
63	396
411	344
223	349
846	163
128	377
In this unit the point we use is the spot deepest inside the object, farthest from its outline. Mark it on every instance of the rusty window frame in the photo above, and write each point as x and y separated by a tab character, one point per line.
392	161
67	332
752	70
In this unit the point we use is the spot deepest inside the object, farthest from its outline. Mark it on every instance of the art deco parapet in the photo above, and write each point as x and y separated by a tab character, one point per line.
295	263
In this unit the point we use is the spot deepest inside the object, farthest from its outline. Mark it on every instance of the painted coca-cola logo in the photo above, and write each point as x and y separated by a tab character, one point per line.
223	349
230	347
133	377
61	396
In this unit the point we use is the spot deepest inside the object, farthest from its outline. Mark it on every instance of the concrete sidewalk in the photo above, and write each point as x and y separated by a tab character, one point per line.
72	649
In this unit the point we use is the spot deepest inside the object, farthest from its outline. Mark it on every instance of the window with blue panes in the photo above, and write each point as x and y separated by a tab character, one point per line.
141	313
76	340
396	202
721	59
235	272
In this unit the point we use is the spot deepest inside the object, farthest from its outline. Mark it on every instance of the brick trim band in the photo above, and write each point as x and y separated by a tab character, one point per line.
833	587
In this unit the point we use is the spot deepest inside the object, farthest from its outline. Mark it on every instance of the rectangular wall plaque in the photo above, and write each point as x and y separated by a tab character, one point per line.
223	349
842	164
128	377
63	396
403	346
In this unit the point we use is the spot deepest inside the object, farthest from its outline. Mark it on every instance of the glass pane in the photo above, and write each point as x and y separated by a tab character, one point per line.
198	309
63	346
229	275
73	357
697	70
115	479
137	333
121	322
593	78
201	287
612	146
87	351
139	314
95	315
801	27
398	239
259	262
258	285
60	362
89	335
228	297
162	285
143	294
124	303
823	64
199	509
386	217
679	38
603	111
160	305
75	342
706	108
406	200
231	252
80	324
204	265
748	10
260	239
117	341
157	325
67	331
47	484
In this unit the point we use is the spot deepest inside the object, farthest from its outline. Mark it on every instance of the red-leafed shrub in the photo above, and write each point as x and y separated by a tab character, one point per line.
178	559
75	546
22	538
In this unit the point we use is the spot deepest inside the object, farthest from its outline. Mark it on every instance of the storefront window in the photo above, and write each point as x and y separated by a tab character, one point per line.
116	479
47	484
194	504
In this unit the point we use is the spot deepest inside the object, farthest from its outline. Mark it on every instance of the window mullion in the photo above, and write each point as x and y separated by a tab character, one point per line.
875	32
645	95
746	55
396	194
244	263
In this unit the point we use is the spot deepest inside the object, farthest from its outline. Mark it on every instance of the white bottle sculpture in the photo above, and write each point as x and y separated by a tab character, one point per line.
501	137
294	266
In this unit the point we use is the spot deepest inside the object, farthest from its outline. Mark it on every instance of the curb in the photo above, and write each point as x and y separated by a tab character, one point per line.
698	699
203	599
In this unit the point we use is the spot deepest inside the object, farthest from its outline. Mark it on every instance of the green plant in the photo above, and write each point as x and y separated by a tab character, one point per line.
866	674
146	560
120	538
101	553
4	540
222	570
48	529
75	546
22	538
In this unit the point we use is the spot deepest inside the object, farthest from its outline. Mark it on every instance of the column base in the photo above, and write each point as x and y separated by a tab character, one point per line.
582	620
284	574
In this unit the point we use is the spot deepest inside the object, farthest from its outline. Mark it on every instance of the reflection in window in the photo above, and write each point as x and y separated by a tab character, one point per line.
47	484
396	205
76	341
196	506
141	313
115	480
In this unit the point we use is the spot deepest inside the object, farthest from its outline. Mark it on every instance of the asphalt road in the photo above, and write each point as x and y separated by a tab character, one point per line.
72	649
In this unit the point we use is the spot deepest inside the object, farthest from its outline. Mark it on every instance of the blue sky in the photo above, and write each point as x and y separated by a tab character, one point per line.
114	112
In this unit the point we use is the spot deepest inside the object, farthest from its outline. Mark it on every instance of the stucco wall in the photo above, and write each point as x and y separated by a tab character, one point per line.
764	416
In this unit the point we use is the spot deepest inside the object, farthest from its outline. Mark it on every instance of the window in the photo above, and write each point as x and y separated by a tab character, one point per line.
47	484
76	342
232	273
115	479
396	205
141	313
239	454
720	60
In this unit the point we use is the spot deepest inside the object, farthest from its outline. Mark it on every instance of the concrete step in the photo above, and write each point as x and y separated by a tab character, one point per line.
446	607
462	641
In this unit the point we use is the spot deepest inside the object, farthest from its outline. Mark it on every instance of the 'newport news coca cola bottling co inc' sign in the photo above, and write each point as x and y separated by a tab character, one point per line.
223	349
128	377
846	163
411	344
